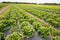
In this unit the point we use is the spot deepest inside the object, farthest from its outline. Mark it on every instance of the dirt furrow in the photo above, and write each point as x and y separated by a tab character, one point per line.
40	19
3	9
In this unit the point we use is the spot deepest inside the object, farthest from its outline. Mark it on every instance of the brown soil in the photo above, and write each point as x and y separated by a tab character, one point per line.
2	10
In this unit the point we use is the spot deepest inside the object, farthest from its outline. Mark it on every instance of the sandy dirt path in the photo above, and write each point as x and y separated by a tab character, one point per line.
3	9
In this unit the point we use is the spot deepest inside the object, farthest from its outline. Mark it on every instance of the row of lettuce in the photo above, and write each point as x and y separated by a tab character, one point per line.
46	9
18	18
51	18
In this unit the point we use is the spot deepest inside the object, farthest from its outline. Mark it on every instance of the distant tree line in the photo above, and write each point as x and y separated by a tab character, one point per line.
31	3
18	2
51	3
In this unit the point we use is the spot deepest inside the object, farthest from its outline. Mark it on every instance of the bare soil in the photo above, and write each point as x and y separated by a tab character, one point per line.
2	10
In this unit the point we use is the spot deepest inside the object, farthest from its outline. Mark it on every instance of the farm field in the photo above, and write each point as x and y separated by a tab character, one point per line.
29	22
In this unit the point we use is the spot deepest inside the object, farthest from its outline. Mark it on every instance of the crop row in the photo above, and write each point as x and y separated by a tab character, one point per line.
7	20
27	30
46	8
54	11
24	25
53	19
